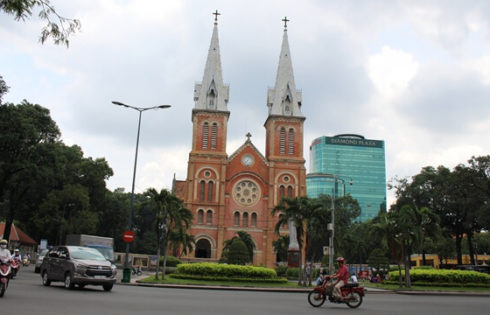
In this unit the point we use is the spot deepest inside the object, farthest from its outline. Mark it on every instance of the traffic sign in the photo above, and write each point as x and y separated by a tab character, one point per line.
128	236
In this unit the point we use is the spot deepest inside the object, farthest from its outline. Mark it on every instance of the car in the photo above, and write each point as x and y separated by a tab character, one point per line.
77	265
39	260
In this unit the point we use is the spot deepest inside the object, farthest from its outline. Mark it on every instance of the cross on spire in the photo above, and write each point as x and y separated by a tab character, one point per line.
285	20
216	16
248	135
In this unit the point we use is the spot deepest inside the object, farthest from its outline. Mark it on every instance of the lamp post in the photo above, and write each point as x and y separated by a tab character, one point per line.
331	247
127	270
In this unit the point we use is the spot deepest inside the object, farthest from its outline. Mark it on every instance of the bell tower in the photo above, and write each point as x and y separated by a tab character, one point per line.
284	136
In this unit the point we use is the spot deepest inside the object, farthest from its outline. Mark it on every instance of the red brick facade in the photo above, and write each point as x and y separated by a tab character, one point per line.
235	193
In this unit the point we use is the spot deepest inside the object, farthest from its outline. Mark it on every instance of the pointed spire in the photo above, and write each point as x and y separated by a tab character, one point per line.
211	93
284	99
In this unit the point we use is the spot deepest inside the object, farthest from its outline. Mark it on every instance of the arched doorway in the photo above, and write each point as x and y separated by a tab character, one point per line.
203	249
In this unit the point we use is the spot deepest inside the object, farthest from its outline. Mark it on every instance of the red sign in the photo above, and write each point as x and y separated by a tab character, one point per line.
128	236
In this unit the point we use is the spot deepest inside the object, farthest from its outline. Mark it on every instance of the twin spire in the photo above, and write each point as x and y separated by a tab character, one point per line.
213	94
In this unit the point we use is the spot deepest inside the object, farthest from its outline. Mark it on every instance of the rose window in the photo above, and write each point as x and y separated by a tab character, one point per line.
246	193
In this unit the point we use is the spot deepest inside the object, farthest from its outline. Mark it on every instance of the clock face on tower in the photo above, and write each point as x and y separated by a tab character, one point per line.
247	160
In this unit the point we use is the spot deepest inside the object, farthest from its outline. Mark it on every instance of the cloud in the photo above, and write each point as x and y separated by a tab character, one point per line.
391	70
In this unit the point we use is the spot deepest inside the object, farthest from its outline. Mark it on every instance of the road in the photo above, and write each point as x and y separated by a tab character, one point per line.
26	295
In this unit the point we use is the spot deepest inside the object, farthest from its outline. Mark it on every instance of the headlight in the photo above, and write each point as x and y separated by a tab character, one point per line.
81	269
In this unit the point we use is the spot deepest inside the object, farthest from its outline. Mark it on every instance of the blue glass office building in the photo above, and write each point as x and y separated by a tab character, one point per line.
359	166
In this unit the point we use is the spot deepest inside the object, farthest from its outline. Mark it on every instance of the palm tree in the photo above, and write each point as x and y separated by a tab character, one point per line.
299	210
172	220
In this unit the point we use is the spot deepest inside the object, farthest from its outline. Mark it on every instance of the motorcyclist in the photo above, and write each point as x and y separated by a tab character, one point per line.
17	256
342	277
4	252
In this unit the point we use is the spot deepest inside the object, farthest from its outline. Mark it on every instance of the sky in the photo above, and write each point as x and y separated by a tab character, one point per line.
415	74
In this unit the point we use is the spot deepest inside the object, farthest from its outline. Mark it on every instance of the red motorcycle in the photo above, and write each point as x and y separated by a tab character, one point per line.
15	264
5	271
351	292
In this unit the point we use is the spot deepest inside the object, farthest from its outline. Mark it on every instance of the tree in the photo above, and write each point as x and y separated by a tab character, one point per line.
66	211
24	129
238	253
377	260
170	217
3	88
346	210
281	247
58	27
246	239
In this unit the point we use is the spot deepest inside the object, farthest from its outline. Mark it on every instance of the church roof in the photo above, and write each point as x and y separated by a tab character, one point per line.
211	93
284	99
249	143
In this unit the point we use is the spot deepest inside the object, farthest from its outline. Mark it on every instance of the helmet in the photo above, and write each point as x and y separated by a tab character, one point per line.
16	250
3	242
340	259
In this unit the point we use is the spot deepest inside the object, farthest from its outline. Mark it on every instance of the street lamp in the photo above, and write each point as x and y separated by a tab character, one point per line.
127	270
331	247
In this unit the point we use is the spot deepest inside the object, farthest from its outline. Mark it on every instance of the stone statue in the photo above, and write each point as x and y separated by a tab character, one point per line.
293	239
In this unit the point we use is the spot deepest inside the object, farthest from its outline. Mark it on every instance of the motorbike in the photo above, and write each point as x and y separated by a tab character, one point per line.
136	271
5	271
14	263
351	292
25	262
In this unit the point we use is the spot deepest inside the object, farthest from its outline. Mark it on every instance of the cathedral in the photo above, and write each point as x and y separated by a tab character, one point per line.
237	192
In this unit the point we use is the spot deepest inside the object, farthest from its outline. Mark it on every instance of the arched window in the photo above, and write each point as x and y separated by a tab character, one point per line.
245	220
214	131
200	216
236	219
290	192
254	219
291	141
205	135
282	141
281	191
210	191
209	217
202	186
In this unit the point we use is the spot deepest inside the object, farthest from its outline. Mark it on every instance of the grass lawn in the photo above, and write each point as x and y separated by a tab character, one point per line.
170	280
292	284
425	288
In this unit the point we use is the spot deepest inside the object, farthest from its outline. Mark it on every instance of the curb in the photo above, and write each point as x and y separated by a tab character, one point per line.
447	293
231	288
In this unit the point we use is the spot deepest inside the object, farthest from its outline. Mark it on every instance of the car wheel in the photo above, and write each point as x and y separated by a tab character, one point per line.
108	287
68	281
46	281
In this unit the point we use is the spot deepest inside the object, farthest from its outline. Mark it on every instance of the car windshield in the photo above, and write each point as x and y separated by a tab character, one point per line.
86	253
43	252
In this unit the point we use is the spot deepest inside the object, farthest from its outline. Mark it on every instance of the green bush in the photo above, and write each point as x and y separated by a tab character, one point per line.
281	271
292	273
423	267
218	278
172	261
444	276
238	253
222	270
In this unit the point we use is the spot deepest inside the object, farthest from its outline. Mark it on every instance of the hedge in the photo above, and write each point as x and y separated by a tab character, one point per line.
227	271
444	276
218	278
